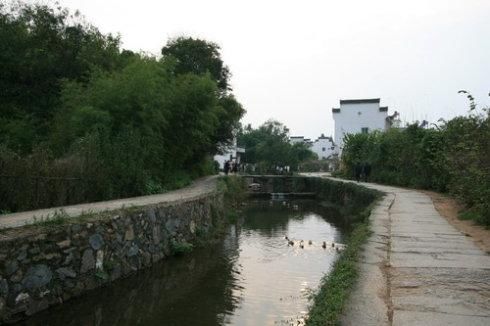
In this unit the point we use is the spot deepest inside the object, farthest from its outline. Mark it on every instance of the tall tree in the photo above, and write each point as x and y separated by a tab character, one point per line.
39	48
198	57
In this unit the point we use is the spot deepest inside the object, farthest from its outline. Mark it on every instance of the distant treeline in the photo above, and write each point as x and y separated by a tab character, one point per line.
83	120
453	157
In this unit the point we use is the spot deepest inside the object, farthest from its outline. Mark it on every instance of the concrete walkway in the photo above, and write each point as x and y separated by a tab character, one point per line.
197	189
417	269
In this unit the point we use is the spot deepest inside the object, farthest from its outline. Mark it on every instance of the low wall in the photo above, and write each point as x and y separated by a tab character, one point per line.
43	265
347	195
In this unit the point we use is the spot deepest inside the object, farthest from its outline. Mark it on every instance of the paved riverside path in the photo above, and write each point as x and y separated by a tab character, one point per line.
417	269
198	188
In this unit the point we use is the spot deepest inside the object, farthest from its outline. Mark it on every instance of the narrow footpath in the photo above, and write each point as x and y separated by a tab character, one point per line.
198	188
417	269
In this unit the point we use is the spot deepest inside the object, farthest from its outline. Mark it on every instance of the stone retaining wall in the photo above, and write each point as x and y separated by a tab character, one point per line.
49	263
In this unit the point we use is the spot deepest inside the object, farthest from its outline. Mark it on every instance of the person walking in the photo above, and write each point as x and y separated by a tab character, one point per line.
366	171
358	171
226	167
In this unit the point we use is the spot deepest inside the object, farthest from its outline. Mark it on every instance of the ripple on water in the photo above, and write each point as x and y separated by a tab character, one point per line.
279	277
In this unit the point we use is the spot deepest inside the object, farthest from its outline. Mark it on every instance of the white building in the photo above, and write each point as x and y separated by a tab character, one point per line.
360	115
324	147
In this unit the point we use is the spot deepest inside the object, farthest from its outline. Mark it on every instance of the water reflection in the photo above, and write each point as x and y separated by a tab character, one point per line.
252	277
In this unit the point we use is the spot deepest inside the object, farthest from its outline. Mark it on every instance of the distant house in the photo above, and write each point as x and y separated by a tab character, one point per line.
359	116
323	146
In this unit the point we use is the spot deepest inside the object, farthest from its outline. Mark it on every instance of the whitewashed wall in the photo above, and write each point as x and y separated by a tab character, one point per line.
353	117
323	147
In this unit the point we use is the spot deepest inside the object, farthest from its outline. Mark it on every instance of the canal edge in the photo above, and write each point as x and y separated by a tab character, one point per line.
370	301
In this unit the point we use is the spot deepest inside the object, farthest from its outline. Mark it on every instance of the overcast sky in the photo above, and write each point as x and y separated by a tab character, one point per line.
294	60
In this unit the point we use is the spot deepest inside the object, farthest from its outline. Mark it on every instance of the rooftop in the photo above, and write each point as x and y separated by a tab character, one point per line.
358	101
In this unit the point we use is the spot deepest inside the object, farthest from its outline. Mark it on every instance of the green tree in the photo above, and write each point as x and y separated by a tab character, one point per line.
75	108
198	57
201	57
268	146
39	48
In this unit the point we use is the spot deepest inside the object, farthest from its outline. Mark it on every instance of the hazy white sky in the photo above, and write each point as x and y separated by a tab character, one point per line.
294	60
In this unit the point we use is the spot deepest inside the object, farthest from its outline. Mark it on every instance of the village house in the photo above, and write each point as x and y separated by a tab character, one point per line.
324	147
360	116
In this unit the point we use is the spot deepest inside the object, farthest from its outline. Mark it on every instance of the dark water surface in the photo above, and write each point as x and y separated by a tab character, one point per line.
252	277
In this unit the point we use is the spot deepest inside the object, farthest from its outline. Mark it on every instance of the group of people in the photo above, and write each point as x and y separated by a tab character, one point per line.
362	171
230	167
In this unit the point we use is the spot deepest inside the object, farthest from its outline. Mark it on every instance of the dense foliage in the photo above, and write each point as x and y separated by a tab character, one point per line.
83	120
452	157
268	147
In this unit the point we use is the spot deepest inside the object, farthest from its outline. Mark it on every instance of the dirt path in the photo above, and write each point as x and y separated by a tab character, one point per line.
449	208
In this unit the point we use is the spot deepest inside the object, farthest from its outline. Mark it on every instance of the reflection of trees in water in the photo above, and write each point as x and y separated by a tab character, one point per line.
198	289
272	217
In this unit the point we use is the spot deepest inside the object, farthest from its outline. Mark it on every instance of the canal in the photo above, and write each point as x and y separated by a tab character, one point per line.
252	277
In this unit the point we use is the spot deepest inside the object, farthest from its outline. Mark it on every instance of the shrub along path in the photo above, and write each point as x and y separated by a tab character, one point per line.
200	187
417	269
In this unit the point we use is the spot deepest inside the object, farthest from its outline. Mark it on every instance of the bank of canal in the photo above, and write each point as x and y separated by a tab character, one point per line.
251	277
254	275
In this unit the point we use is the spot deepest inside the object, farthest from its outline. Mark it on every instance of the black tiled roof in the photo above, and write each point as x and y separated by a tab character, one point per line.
357	101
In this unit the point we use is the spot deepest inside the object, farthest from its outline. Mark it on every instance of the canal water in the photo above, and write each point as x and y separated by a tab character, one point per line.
251	277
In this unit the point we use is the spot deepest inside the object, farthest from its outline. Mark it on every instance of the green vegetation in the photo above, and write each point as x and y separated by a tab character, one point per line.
83	120
330	299
268	147
335	287
234	192
180	247
453	157
323	165
59	217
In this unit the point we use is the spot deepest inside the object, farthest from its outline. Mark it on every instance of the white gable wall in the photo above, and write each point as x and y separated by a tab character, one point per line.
323	148
353	117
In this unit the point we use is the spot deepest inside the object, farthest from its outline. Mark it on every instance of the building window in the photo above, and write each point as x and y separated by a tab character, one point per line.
323	149
365	130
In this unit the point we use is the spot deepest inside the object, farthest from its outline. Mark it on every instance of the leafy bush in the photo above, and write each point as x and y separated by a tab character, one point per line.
452	157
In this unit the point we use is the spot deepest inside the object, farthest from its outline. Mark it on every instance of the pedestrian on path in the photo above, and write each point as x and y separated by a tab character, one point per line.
366	171
358	171
226	167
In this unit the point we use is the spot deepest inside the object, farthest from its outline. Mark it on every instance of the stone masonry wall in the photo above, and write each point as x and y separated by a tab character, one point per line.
43	265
